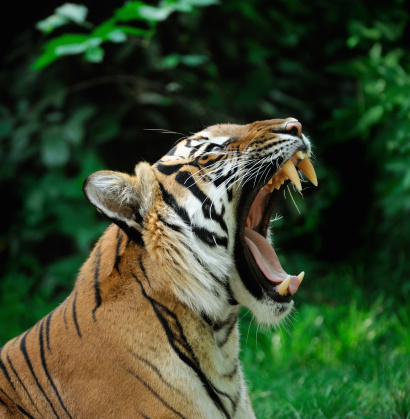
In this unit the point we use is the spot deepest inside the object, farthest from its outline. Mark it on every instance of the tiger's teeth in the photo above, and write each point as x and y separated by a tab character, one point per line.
307	168
282	288
289	170
300	155
300	277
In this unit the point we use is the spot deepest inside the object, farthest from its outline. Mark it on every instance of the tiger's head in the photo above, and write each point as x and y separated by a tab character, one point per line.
202	212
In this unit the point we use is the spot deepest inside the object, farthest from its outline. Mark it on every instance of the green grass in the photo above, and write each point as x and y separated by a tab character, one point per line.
331	361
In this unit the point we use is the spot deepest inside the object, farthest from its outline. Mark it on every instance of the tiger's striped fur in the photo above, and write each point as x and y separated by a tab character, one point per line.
150	329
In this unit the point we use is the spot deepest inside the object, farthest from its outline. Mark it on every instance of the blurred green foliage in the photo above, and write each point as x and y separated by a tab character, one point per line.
111	30
79	92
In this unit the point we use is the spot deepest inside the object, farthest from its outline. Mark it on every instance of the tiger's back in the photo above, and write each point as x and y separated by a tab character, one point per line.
150	328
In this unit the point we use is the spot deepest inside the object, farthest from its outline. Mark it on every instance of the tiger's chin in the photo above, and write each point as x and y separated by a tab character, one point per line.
265	288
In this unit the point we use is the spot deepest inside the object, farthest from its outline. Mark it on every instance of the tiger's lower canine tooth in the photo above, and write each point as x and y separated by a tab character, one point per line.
300	277
307	168
282	288
289	170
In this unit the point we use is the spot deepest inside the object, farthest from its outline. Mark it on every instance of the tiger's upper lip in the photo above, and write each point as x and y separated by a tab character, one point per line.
260	256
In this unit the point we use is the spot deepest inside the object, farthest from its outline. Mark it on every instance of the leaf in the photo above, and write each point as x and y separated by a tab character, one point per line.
371	117
70	49
170	61
54	150
117	36
130	11
75	12
74	128
129	30
193	60
155	14
52	22
94	54
199	3
6	126
173	60
137	10
74	44
152	98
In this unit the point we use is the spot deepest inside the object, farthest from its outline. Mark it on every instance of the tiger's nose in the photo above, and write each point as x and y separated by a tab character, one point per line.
294	128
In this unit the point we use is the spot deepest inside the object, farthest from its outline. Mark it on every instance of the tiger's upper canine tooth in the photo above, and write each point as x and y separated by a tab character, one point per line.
300	155
307	168
282	288
300	277
289	170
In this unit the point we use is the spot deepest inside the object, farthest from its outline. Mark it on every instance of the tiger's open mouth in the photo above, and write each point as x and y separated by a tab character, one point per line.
259	255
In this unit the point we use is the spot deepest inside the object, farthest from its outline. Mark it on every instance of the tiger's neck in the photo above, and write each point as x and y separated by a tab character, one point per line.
120	276
124	289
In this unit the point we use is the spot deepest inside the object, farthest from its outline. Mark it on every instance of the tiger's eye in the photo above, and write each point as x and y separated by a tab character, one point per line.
216	149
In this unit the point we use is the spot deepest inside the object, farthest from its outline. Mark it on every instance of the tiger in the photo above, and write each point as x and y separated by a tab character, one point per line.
150	329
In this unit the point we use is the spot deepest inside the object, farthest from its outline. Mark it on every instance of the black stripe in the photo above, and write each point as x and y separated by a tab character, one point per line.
21	382
182	348
155	393
203	234
169	169
171	201
228	332
219	326
237	398
220	281
186	179
172	151
44	364
232	300
5	372
211	239
233	372
206	319
155	369
117	250
23	349
97	293
174	227
64	317
26	414
143	270
133	234
210	212
48	330
75	316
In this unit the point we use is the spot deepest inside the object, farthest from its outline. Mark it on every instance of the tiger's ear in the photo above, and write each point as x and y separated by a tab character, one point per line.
122	198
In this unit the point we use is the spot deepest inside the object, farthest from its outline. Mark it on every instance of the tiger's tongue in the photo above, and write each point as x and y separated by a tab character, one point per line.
265	256
266	259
